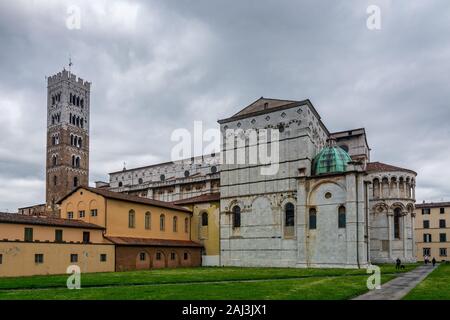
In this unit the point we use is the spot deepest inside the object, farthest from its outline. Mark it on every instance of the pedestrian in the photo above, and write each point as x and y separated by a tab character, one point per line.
425	259
398	263
433	261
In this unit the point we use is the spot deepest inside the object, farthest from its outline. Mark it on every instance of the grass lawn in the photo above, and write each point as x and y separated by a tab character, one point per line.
435	287
199	283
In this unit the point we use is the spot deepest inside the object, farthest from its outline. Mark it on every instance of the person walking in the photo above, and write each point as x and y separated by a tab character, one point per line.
398	263
433	262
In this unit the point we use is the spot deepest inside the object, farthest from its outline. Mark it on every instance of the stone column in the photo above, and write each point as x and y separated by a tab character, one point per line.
405	235
413	229
390	216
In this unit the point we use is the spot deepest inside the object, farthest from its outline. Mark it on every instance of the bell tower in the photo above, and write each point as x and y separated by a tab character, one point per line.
68	106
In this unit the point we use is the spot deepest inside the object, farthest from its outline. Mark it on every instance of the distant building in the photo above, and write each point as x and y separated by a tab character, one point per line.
31	245
36	210
432	230
146	233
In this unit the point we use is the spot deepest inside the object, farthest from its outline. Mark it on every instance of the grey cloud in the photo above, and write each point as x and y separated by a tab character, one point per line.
160	65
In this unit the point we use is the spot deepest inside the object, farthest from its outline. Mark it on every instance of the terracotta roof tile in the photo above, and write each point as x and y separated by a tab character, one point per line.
128	241
126	197
46	221
199	199
379	166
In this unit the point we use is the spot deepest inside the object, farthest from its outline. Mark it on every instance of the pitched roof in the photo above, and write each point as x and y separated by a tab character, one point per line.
46	221
128	241
380	167
126	197
433	205
199	199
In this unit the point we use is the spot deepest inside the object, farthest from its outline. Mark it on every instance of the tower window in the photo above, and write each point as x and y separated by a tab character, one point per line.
397	223
55	180
342	217
75	182
236	217
289	217
312	219
204	219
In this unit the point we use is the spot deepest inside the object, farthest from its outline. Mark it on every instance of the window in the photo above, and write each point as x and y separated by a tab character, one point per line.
75	182
312	219
73	258
86	237
289	218
103	257
427	237
175	226
236	217
204	219
442	223
162	222
38	258
426	252
442	237
186	225
186	173
185	256
142	256
426	224
69	215
442	252
172	256
55	180
342	219
1	258
29	234
58	235
94	213
140	181
442	210
397	214
426	211
120	184
81	214
158	256
147	220
131	219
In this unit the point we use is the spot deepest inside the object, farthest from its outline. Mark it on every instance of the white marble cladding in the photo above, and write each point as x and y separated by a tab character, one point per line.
167	173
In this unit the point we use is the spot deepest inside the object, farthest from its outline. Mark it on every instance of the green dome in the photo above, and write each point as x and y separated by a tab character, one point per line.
331	160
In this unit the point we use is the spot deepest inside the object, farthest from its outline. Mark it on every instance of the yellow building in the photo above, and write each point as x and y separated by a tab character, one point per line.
205	225
43	245
432	230
147	233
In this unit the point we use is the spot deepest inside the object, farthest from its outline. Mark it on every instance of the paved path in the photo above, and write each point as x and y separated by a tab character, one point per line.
397	288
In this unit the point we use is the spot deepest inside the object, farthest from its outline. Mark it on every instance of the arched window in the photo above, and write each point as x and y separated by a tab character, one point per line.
148	222
342	219
120	184
397	214
186	225
55	180
162	222
75	181
77	162
312	218
289	217
54	160
236	217
175	226
80	142
204	219
73	161
131	219
140	181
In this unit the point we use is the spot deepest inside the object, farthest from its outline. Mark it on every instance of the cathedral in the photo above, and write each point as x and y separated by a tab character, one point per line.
327	205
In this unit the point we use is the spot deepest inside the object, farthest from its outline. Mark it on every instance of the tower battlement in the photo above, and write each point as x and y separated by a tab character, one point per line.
66	75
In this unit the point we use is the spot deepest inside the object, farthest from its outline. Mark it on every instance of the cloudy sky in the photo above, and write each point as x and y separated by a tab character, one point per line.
159	65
